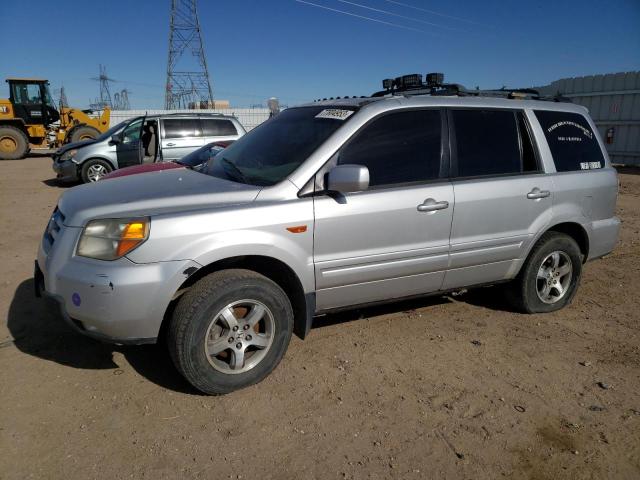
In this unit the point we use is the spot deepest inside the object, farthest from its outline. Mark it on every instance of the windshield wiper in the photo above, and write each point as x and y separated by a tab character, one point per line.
239	175
184	164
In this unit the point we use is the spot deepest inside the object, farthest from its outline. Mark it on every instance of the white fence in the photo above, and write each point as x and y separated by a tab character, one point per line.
248	117
613	101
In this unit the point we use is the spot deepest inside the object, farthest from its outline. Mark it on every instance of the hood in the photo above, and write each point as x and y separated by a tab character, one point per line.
148	167
71	146
148	194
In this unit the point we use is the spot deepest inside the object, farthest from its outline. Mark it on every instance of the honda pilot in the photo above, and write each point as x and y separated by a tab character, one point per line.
331	205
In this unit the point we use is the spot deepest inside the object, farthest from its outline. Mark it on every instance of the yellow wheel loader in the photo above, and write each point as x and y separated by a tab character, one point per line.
29	119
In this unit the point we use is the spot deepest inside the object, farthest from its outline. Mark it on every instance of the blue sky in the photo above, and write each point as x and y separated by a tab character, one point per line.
298	51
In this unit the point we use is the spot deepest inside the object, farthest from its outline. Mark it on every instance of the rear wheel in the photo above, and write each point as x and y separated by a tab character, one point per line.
94	170
80	134
230	330
550	276
14	144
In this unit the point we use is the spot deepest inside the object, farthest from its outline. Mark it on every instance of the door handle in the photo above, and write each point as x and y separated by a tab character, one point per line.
171	144
536	193
430	205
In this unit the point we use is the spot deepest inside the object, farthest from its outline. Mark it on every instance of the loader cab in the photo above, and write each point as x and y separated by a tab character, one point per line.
32	102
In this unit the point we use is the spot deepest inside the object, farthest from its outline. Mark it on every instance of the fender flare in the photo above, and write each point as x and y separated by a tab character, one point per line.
550	227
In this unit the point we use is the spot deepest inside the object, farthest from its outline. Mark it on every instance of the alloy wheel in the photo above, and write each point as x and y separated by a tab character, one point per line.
96	172
554	277
239	336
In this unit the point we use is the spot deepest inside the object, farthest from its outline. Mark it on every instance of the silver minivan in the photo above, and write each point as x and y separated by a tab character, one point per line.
140	140
332	205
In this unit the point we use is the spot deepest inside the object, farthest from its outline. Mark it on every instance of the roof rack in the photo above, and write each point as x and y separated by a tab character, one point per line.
194	114
412	85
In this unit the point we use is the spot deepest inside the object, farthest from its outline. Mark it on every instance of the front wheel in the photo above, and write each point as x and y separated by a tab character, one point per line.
550	276
230	330
94	170
14	144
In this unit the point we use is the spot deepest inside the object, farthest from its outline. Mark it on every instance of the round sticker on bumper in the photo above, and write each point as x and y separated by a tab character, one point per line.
75	298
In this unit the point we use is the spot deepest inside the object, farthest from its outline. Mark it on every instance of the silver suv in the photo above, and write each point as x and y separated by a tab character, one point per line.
327	206
142	140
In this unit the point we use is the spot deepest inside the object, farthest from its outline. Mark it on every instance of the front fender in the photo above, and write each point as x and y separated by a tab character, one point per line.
240	230
292	253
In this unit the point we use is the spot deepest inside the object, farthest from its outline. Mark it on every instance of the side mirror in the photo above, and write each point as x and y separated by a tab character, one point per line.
117	138
348	178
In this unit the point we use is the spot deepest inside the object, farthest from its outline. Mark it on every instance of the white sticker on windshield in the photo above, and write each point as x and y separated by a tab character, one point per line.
335	113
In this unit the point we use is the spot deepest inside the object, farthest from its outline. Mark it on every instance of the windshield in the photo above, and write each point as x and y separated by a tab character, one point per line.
47	96
270	152
113	130
201	155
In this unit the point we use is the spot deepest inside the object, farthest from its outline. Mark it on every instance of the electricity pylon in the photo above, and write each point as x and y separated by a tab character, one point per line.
105	94
188	84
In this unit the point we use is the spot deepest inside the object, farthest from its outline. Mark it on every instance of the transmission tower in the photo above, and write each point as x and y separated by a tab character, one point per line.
62	98
121	100
188	84
105	94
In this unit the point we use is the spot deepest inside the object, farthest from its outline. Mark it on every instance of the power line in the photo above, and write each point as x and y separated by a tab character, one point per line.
386	12
433	12
364	17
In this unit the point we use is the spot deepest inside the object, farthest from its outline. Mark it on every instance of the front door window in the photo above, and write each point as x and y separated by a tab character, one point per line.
132	132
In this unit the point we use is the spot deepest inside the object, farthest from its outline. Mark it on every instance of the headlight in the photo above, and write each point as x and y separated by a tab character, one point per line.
68	155
112	238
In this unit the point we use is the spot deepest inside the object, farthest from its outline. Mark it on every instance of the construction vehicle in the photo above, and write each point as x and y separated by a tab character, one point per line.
30	119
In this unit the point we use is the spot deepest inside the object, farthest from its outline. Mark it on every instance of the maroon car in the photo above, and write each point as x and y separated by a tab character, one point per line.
195	160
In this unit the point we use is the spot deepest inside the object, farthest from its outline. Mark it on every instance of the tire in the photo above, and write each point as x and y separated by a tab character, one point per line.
94	170
14	144
236	358
79	134
543	284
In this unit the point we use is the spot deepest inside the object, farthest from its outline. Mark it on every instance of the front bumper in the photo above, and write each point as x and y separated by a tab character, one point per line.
119	301
66	171
77	325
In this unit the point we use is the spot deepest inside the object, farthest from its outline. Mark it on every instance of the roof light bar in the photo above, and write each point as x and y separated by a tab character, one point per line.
411	81
435	79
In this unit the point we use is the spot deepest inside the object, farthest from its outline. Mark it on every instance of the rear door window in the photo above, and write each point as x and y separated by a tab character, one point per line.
398	148
181	128
217	128
486	142
573	144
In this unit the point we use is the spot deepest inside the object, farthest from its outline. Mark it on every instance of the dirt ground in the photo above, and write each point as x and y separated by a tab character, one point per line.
446	387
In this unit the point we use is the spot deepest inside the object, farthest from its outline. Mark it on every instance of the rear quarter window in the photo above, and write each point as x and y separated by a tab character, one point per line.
218	128
573	144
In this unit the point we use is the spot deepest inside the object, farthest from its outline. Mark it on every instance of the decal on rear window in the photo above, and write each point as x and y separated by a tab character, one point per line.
590	165
335	113
573	144
584	130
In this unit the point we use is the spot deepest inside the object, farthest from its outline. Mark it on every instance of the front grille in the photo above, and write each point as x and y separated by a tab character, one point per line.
54	227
